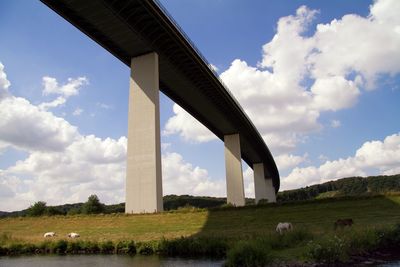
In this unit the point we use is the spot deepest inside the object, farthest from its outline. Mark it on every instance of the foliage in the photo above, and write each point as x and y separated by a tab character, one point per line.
352	186
37	209
193	247
248	254
329	250
92	206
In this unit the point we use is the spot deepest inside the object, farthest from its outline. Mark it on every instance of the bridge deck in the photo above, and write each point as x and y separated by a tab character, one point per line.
129	28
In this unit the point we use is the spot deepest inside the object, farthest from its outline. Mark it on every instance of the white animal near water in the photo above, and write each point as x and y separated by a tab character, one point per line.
73	235
49	234
283	227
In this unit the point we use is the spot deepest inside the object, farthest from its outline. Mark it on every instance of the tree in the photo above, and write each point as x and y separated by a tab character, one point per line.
37	209
93	205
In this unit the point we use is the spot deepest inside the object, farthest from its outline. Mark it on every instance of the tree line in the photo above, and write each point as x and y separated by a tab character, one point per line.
351	186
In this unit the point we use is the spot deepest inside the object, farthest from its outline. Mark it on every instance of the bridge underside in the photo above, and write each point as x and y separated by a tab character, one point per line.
132	28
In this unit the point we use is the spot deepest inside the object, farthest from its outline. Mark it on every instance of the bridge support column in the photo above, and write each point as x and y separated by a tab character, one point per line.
143	166
263	188
234	174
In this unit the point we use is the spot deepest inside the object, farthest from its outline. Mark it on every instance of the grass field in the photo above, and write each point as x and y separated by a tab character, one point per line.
231	223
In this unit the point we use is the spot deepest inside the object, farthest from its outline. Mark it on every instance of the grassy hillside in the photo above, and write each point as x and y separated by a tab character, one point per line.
317	216
351	186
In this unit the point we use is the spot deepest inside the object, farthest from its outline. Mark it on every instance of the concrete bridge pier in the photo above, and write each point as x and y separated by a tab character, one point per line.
143	166
263	187
234	174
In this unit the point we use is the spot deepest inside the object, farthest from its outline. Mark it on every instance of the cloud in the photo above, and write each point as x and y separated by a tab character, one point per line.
335	123
181	177
71	88
103	106
77	112
287	161
4	83
55	103
372	157
304	72
26	126
187	127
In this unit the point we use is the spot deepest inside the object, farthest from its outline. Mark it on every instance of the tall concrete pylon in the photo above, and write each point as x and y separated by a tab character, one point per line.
263	188
143	165
234	174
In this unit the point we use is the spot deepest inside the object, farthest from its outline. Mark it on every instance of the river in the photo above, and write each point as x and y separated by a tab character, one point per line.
117	261
104	261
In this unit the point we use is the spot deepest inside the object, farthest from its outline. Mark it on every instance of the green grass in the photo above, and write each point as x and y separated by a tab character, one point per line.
215	229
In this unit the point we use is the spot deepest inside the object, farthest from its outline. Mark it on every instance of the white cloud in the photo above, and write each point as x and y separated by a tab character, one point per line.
55	103
4	83
335	123
181	177
77	112
287	161
373	156
71	88
103	106
26	126
302	75
187	127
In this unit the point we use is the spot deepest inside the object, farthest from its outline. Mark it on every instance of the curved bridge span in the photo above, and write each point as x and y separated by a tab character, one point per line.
143	36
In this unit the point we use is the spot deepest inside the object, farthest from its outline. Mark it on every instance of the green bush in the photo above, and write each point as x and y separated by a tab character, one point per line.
125	247
193	247
107	247
74	247
248	254
90	247
92	206
60	246
37	209
145	248
290	239
329	250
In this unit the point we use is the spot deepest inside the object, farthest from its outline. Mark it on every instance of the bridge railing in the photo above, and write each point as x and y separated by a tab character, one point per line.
182	32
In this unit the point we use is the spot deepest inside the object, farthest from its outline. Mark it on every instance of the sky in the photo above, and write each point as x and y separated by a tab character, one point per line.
319	79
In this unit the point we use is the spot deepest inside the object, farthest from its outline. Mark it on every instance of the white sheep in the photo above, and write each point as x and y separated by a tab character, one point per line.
49	234
73	235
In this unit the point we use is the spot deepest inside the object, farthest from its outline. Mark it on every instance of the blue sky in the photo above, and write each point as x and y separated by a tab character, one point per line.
320	80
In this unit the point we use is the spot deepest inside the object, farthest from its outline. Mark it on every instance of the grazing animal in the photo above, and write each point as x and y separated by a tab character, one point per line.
49	234
73	235
343	223
283	227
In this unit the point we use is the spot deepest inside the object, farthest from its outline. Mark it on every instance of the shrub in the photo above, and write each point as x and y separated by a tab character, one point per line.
90	247
107	247
126	247
92	206
60	246
145	248
74	247
290	239
37	209
329	250
248	254
193	247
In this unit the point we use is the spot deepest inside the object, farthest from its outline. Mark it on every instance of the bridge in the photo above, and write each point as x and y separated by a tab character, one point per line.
144	37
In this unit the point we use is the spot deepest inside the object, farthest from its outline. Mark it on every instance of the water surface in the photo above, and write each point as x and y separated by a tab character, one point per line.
104	261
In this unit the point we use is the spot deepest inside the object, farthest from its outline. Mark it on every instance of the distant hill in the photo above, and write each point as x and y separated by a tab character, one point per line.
352	186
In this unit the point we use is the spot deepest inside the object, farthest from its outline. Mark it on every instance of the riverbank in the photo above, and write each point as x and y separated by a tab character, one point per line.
236	234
